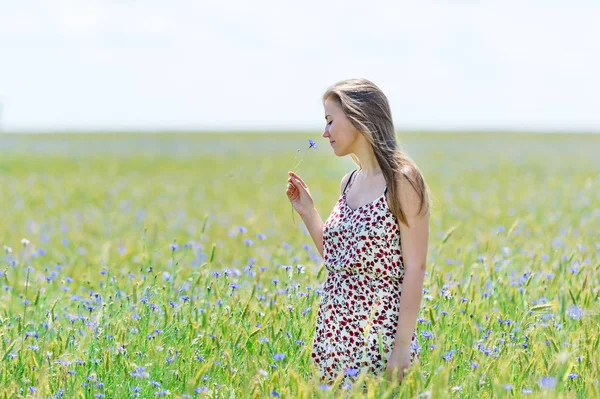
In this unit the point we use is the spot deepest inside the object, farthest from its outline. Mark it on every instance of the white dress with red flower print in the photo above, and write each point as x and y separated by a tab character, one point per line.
360	304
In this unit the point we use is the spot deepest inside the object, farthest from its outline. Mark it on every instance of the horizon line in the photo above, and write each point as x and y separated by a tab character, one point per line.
286	131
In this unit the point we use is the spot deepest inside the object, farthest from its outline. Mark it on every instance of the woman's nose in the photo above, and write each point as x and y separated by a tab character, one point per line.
326	133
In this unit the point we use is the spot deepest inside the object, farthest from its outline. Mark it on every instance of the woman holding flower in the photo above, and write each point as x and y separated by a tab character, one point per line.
374	242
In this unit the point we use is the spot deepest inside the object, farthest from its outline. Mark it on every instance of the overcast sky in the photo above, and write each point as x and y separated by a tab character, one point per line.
100	64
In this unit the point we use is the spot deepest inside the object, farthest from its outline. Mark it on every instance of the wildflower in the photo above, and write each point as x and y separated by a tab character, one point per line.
279	356
25	242
427	334
547	382
140	372
575	312
448	355
351	372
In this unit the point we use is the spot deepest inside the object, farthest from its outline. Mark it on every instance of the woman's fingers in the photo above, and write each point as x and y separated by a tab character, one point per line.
292	174
298	184
291	190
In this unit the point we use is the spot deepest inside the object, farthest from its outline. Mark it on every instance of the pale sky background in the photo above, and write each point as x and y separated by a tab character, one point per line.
100	64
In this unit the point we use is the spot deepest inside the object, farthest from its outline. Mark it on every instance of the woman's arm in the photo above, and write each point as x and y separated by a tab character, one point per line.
414	242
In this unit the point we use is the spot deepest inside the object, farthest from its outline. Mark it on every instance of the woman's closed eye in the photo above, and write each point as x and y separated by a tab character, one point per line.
329	123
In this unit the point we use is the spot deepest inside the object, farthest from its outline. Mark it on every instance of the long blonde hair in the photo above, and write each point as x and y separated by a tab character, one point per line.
368	109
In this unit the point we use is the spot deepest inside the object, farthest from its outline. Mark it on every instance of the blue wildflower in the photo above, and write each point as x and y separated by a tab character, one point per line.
352	372
575	312
547	382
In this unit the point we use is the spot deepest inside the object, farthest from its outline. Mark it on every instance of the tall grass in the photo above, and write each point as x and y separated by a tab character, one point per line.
170	265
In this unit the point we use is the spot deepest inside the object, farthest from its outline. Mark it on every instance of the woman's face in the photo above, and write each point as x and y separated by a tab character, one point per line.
340	132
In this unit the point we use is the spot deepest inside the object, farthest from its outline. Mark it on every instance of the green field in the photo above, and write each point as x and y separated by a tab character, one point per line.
167	265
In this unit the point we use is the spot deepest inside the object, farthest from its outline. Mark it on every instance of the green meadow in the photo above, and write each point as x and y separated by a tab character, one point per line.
170	265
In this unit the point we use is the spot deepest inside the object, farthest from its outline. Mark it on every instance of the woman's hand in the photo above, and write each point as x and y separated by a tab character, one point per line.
398	363
299	195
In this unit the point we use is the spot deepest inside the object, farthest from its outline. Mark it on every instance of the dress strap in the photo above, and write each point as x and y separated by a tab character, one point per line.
349	179
385	191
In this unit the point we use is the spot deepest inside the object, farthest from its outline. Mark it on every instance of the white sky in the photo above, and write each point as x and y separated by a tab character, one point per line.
100	64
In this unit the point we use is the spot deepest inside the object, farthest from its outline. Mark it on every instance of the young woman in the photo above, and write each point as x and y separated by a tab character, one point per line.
374	242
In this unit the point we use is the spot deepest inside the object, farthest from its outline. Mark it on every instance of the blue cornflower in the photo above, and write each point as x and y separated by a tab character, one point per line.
312	144
575	312
427	334
448	355
279	356
140	372
547	382
351	372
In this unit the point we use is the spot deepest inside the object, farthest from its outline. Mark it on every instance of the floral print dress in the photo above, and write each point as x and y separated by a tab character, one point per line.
358	312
